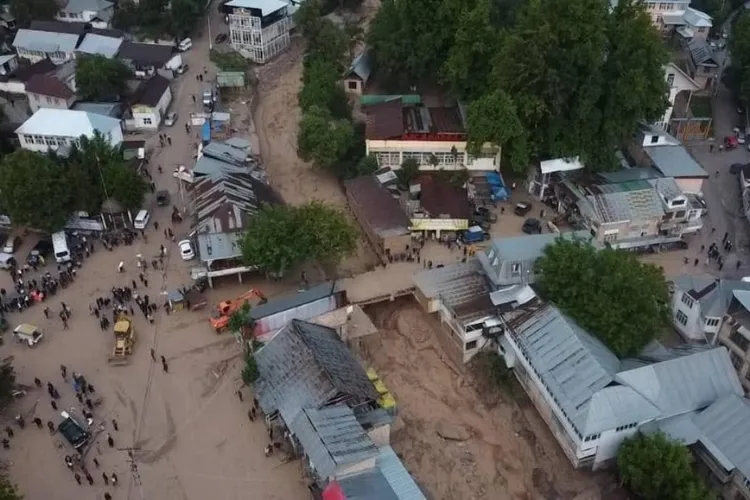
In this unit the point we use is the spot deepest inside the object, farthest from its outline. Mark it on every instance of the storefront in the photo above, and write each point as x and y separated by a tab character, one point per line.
439	229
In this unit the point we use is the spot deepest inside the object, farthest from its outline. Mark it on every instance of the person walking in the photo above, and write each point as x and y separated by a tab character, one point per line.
114	479
38	422
96	463
53	404
37	382
105	477
64	372
51	427
9	431
110	440
153	355
107	496
89	479
164	365
114	425
78	477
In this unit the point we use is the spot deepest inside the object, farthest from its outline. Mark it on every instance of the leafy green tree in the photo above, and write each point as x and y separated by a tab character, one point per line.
33	191
493	119
26	11
740	45
367	165
581	78
408	171
610	293
85	169
183	16
308	18
125	185
99	78
240	321
8	490
321	87
466	71
328	42
655	467
282	237
323	140
126	16
250	371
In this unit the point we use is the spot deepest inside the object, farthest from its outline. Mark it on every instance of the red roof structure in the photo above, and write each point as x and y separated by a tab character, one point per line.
393	120
333	492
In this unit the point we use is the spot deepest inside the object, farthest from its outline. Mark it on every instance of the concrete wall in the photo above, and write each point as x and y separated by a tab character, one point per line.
37	101
380	435
692	331
442	149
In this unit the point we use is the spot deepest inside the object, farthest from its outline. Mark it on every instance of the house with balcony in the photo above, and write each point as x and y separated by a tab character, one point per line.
590	399
433	136
98	13
259	29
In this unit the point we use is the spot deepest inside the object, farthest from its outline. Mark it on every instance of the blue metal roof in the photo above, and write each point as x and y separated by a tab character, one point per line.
291	301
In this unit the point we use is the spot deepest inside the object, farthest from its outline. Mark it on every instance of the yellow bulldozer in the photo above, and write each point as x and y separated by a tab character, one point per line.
124	340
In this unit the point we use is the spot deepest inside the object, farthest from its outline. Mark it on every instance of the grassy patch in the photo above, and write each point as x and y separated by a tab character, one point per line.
700	107
229	61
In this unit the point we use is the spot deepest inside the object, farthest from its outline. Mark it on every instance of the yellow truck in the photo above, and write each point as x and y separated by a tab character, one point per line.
124	340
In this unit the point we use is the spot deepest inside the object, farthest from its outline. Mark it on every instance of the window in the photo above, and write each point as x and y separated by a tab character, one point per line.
50	141
687	300
654	139
57	101
351	85
712	322
49	100
147	121
670	79
471	345
515	268
626	427
702	29
592	437
735	359
681	318
739	340
36	97
610	238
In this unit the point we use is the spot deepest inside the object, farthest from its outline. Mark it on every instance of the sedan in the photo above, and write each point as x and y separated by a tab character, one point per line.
170	119
532	226
736	168
186	250
522	208
221	38
182	69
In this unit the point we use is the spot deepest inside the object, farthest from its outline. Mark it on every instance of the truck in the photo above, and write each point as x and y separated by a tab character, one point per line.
124	340
220	317
475	234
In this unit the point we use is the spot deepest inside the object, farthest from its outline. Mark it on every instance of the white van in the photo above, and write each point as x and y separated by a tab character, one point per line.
185	45
141	220
60	247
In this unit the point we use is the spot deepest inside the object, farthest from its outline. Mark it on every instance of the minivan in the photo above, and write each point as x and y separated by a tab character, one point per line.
185	45
60	246
141	220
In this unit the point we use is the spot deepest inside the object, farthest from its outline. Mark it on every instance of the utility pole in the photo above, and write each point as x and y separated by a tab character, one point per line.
134	473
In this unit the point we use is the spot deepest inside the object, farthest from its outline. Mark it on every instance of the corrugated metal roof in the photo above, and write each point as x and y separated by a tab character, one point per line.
402	484
629	174
266	7
219	246
701	52
226	152
304	366
67	123
686	383
78	6
361	66
725	428
714	296
636	205
100	45
675	161
291	301
573	364
370	485
46	41
332	438
382	213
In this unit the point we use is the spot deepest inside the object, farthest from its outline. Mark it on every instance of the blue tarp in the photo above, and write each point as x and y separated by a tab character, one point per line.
498	191
206	132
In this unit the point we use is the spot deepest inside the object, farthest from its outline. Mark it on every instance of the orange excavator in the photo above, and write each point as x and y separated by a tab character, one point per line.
220	317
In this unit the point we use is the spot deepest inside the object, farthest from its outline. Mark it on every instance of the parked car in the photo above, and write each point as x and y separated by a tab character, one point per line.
73	432
186	250
221	38
170	119
532	226
182	69
730	142
522	208
43	248
475	234
185	45
162	198
485	213
736	168
12	244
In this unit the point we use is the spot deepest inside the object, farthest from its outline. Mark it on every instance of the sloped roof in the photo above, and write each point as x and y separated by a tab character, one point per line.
697	19
48	85
226	152
370	485
304	366
439	197
361	67
59	27
44	41
147	54
332	438
67	123
725	431
292	300
402	483
385	120
701	53
714	296
40	67
675	161
150	92
100	45
78	6
382	212
635	205
686	383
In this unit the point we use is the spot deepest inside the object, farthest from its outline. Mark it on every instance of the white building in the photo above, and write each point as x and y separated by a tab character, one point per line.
149	104
51	128
590	399
259	29
435	137
677	81
36	45
96	12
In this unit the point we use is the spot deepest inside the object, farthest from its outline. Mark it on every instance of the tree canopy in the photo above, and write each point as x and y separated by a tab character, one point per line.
8	490
99	78
655	467
609	293
41	190
580	77
156	18
7	385
282	237
26	11
323	140
740	46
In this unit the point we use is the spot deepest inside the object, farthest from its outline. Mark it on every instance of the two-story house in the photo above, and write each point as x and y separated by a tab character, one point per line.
98	13
36	45
590	399
46	91
678	81
149	104
259	29
58	129
704	64
148	59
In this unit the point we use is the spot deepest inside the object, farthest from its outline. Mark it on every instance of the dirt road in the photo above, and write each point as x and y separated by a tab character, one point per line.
509	453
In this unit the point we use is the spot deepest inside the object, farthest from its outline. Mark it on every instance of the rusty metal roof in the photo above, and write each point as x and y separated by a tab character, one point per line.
440	197
385	120
381	211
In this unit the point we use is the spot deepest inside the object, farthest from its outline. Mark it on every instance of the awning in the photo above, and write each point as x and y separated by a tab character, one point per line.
560	165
